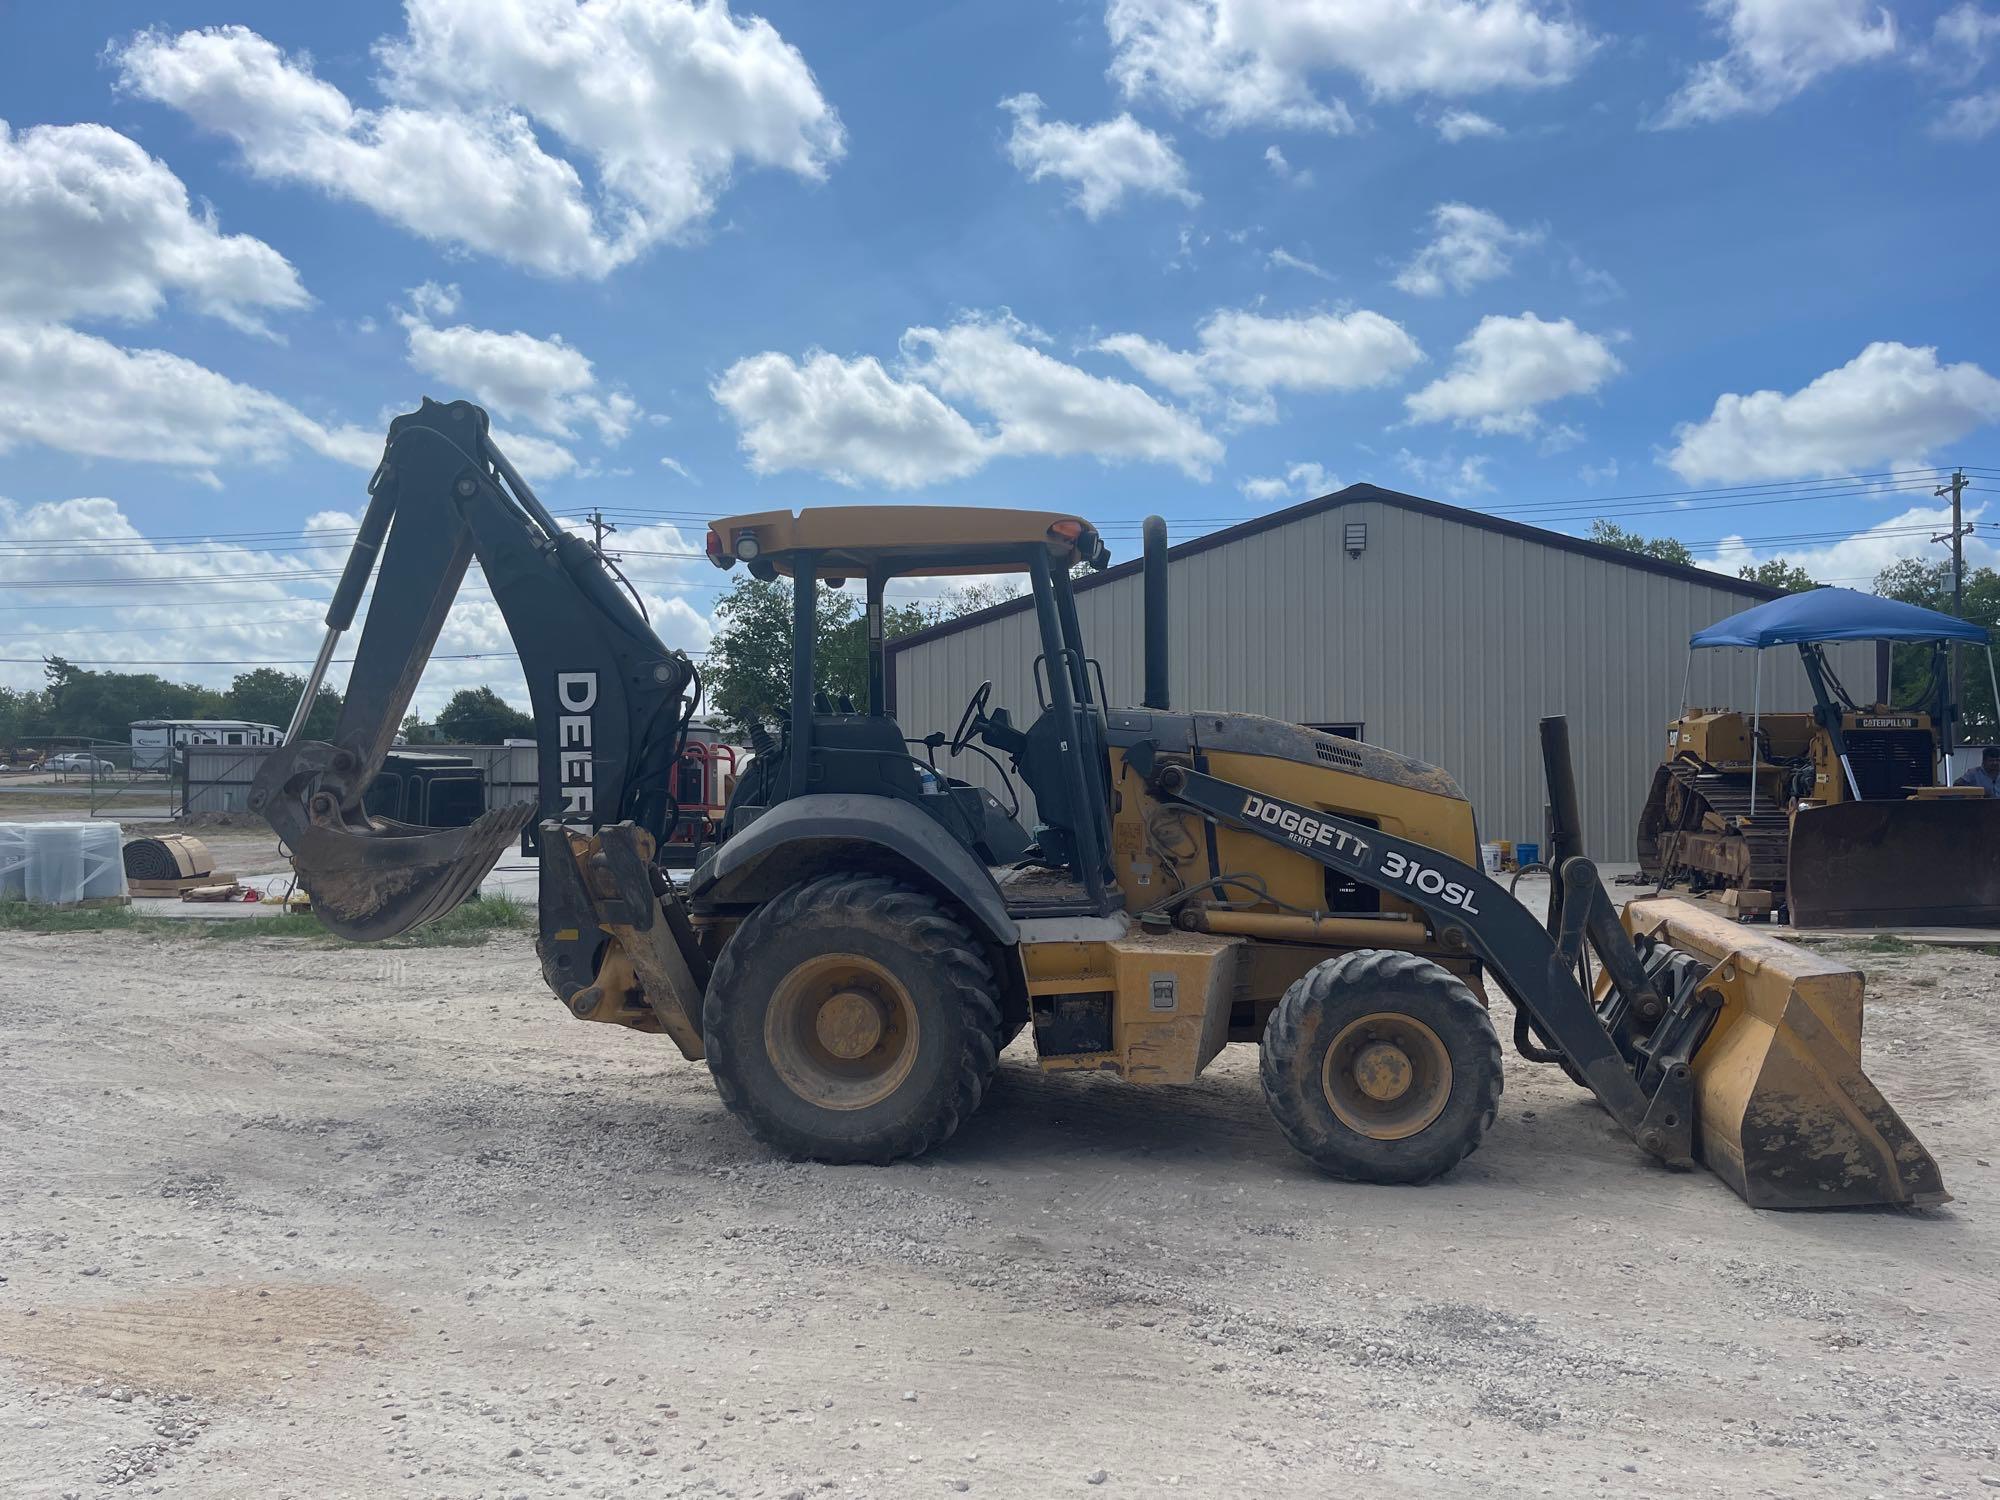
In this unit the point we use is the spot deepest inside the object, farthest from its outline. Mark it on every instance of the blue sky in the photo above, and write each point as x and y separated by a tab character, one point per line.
1520	255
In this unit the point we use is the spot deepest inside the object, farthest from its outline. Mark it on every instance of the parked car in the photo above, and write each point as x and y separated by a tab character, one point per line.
79	760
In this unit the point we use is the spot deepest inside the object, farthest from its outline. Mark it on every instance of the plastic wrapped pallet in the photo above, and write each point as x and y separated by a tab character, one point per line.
60	864
13	861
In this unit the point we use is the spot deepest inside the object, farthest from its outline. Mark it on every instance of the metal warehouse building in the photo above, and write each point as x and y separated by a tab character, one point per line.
1425	628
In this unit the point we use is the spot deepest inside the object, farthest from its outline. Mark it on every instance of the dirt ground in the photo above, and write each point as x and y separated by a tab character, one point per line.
288	1221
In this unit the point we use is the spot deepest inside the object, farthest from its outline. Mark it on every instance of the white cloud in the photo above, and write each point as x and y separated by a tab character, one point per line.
1240	63
1252	356
1972	118
1318	352
1854	561
1469	245
661	97
1890	403
1456	125
848	419
544	382
77	393
1301	481
1603	473
537	458
1449	475
1042	405
431	301
91	226
271	606
1284	171
1507	367
1962	41
1175	370
1282	259
675	466
857	422
1101	162
1777	49
1560	439
1596	285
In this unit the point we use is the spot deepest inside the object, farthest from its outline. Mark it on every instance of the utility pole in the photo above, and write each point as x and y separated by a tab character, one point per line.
601	528
1956	536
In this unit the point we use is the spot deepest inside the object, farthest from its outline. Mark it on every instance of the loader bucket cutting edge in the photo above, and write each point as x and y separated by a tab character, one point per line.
1785	1114
1880	864
375	883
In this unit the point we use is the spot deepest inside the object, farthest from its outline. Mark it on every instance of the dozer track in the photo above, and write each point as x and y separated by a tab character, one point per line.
1699	821
1852	864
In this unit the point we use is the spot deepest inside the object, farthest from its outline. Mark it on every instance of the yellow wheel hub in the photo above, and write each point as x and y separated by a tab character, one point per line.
1387	1076
849	1025
842	1031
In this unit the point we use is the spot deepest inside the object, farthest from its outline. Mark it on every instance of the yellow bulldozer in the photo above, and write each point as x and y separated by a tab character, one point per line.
872	930
1834	817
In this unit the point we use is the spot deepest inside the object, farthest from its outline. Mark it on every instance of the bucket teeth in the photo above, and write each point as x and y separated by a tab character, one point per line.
373	884
1784	1113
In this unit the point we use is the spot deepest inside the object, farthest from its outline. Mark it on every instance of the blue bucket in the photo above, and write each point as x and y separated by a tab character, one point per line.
1527	854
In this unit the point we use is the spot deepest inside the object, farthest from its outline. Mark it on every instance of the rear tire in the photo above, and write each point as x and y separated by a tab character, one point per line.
852	1019
1381	1067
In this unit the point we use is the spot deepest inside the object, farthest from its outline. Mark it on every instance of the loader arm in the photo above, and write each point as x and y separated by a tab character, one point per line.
1650	1096
1744	1054
611	707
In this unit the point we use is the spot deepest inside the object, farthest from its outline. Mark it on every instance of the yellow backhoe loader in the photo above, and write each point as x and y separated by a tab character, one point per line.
871	930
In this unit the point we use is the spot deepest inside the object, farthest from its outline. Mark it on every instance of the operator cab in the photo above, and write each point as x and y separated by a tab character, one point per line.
832	747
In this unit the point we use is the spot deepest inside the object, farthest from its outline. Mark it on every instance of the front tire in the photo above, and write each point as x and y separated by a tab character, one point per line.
852	1019
1381	1067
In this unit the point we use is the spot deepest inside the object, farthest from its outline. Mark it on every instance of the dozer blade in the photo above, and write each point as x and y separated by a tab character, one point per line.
1884	864
376	881
1783	1112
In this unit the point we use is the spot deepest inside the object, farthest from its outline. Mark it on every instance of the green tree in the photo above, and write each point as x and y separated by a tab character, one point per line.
749	670
480	716
104	705
1665	548
1777	573
1918	581
23	712
268	696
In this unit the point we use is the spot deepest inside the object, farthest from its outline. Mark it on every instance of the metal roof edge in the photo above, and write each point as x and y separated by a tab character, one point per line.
1354	494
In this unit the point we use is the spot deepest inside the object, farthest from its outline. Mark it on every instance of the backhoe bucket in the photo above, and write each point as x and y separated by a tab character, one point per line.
386	877
1783	1112
1917	863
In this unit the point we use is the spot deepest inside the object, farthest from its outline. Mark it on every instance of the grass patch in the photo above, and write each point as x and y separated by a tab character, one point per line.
1888	942
465	927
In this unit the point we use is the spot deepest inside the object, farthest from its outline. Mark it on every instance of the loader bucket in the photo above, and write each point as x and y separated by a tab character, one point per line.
1885	864
1783	1112
384	878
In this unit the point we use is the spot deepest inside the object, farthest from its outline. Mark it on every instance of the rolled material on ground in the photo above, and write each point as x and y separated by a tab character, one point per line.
176	856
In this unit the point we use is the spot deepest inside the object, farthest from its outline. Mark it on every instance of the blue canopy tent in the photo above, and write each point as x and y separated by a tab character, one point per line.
1835	615
1817	616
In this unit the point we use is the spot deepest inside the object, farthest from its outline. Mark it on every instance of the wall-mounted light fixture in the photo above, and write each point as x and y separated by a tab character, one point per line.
1355	538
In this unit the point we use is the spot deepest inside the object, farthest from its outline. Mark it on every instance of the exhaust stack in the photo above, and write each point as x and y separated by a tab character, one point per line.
1154	575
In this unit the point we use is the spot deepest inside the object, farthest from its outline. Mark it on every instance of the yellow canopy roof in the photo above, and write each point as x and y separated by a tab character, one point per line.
851	541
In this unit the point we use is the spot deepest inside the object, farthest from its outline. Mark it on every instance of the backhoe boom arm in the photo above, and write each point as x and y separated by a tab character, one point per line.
611	700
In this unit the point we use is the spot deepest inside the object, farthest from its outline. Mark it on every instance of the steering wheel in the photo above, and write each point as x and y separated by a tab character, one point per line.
962	736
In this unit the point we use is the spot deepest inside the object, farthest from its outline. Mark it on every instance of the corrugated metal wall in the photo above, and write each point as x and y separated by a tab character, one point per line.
1445	641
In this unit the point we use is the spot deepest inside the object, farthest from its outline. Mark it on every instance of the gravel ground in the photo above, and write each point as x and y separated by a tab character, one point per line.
278	1220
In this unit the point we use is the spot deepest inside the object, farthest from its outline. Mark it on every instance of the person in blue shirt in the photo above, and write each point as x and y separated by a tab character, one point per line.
1986	774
